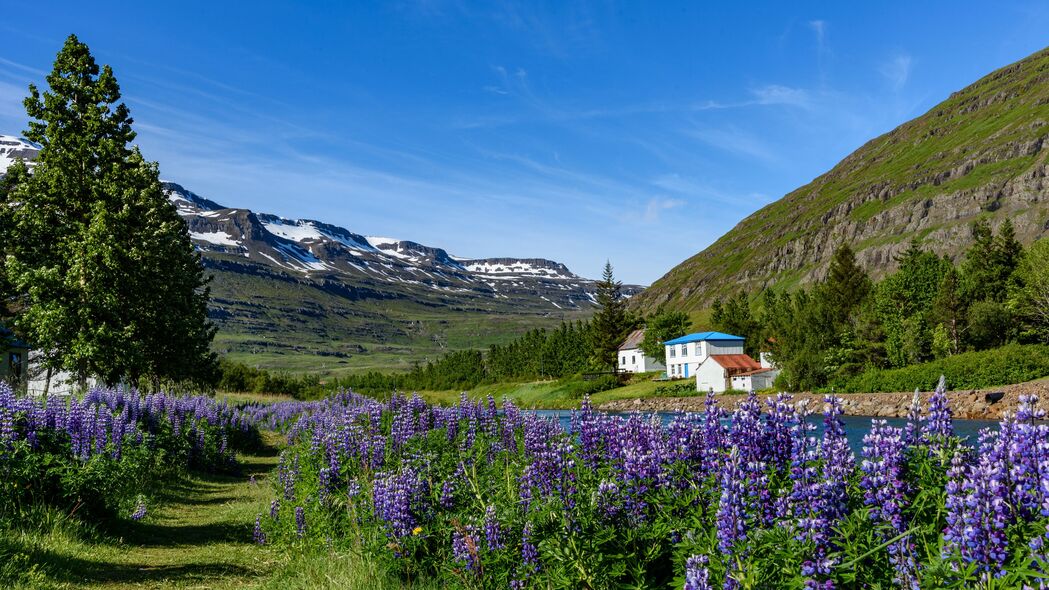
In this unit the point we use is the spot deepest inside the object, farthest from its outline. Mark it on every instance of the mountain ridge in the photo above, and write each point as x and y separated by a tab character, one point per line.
981	153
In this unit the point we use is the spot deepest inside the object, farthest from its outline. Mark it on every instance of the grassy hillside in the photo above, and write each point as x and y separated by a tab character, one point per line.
980	153
298	326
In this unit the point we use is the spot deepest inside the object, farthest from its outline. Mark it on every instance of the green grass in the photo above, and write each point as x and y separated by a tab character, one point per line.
201	537
552	394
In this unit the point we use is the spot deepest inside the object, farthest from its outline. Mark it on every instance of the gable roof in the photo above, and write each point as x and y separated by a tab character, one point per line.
700	336
736	364
633	340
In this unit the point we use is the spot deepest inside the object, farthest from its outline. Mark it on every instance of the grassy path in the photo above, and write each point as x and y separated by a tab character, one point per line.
201	537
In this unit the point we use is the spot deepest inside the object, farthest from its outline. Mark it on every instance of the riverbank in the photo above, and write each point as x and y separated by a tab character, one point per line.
967	404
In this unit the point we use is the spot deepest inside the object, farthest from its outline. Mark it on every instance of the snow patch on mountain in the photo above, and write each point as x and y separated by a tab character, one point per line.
219	238
14	148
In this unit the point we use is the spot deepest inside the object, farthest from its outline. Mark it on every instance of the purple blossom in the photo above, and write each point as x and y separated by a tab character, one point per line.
696	574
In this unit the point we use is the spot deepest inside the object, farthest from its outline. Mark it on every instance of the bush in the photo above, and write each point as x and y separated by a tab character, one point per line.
602	383
1014	363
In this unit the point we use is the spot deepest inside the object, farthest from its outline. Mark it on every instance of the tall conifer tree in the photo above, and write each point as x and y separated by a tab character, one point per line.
107	281
612	321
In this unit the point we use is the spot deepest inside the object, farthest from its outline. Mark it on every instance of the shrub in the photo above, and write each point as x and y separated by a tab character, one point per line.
1013	363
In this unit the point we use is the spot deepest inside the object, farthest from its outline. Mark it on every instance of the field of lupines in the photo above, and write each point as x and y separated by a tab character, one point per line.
480	496
107	454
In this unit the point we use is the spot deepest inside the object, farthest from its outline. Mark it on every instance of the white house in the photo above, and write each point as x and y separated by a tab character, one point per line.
632	359
687	353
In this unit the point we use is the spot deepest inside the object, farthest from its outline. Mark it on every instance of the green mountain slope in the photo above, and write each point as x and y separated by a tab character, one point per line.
981	152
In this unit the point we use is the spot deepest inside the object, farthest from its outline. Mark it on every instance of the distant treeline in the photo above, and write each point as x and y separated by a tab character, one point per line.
537	354
930	308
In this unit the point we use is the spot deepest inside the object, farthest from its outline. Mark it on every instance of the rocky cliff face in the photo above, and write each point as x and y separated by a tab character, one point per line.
981	153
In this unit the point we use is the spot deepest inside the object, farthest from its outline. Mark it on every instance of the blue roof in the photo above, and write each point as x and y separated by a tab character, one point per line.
700	336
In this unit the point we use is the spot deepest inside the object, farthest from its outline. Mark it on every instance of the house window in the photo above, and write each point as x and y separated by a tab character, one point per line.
15	362
684	350
633	359
673	351
623	362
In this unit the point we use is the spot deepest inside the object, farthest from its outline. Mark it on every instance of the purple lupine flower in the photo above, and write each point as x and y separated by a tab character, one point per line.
529	552
885	493
978	514
300	521
464	547
939	425
608	501
492	529
396	497
258	535
140	510
274	509
732	505
696	574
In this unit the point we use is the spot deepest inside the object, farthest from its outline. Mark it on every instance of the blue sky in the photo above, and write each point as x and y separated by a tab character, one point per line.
636	132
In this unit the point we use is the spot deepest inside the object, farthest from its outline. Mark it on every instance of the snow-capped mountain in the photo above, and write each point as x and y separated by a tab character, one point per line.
320	251
299	286
13	148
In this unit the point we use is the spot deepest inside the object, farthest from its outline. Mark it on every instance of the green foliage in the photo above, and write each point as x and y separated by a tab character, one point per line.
106	280
663	326
1029	293
240	378
734	317
612	322
1013	363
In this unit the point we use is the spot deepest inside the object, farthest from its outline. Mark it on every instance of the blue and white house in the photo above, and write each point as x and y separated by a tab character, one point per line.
687	353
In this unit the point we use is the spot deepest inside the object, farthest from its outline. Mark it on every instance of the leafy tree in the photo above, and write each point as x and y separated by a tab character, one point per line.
663	326
1029	296
736	318
105	275
990	324
612	322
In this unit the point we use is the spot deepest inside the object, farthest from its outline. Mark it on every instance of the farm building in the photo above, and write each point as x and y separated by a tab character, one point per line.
717	362
687	353
632	359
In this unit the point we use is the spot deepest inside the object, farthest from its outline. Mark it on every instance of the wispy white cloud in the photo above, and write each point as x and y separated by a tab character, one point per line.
737	141
897	71
776	94
819	29
657	205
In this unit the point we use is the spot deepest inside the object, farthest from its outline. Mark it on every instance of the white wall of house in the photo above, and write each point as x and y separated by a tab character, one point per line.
755	382
63	383
633	360
710	376
684	360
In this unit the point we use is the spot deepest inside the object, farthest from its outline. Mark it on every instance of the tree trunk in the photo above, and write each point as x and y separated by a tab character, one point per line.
47	381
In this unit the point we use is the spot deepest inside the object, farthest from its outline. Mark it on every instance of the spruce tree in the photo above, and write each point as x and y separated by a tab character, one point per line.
107	281
846	286
612	322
